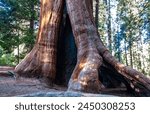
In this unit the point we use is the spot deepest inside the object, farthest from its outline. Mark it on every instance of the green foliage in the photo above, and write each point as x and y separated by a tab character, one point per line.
134	16
17	19
130	31
1	51
7	59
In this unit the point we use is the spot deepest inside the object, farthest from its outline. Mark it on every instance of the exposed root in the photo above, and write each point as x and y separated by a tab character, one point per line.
85	75
134	80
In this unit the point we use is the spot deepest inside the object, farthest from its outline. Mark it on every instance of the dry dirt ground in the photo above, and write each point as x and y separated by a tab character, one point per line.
9	86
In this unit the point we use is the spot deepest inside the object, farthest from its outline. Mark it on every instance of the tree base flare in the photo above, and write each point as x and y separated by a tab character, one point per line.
33	66
95	68
92	86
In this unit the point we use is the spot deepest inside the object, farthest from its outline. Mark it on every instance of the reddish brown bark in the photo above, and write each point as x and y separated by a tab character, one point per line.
95	66
85	75
41	61
86	36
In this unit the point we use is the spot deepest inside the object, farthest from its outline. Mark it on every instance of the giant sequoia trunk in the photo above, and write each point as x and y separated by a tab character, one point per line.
41	61
54	54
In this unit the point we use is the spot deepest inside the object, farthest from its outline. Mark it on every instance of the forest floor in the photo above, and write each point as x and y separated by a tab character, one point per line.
10	86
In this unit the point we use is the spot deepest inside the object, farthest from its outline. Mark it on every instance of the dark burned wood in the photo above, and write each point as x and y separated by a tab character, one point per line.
66	51
95	68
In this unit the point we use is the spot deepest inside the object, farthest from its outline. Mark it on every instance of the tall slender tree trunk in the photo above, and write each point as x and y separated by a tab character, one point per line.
131	54
97	13
95	67
32	17
109	27
125	48
108	21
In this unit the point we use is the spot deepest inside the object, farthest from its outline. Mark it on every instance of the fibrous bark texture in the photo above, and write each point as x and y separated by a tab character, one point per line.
111	72
95	67
41	61
85	74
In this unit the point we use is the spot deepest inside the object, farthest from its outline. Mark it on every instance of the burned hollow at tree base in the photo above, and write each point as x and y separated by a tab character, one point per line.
69	48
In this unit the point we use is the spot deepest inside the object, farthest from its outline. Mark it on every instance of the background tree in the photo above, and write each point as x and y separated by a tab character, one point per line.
18	28
97	13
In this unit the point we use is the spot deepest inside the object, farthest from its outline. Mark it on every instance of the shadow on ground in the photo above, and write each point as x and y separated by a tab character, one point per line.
31	87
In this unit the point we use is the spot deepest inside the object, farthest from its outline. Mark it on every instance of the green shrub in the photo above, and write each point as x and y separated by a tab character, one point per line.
8	59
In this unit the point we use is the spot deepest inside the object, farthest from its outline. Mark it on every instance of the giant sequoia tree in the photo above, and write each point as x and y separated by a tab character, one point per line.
68	46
